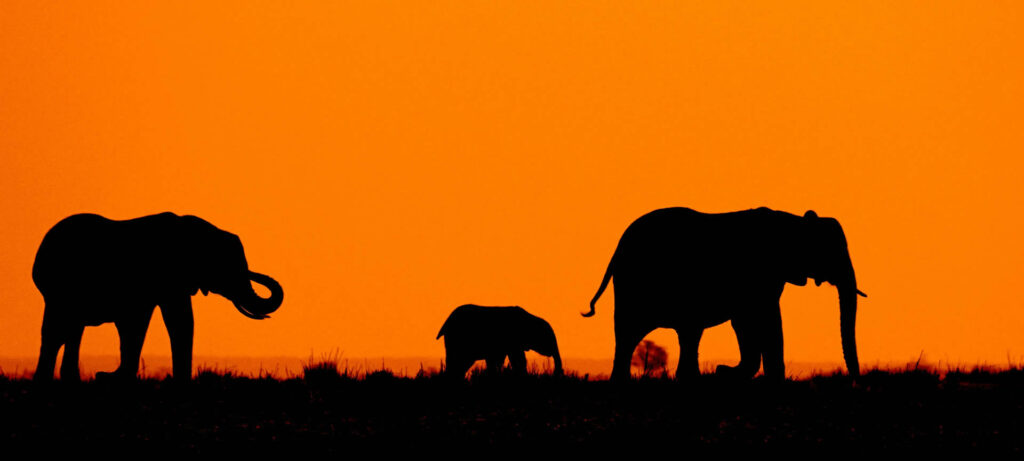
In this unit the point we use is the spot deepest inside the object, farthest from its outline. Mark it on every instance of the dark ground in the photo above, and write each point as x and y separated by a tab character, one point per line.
913	411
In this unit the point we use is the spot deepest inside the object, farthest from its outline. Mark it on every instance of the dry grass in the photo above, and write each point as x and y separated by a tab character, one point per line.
333	409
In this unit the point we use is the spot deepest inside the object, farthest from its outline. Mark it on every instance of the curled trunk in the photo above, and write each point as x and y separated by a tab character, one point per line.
252	305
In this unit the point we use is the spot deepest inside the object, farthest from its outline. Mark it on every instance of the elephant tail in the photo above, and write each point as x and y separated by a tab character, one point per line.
604	284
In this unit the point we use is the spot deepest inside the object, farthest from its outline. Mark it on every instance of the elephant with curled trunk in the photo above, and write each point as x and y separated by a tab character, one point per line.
92	270
681	269
474	333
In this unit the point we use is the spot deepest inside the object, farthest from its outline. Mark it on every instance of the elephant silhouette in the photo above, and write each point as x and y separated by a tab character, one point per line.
474	333
685	270
92	270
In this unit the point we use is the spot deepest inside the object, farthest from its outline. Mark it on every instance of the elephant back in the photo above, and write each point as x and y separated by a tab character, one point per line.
471	319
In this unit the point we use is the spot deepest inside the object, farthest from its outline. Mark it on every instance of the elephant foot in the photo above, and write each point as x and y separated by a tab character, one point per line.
684	374
105	377
68	378
619	379
116	377
687	377
732	373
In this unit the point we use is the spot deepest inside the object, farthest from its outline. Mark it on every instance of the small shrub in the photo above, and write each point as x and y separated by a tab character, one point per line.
651	359
380	375
328	368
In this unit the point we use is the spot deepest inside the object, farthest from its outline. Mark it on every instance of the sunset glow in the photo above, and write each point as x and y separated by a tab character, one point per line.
387	161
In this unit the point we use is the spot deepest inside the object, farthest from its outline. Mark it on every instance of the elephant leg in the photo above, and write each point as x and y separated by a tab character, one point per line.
495	363
750	349
774	367
132	331
69	364
52	340
517	361
626	341
180	324
689	342
456	366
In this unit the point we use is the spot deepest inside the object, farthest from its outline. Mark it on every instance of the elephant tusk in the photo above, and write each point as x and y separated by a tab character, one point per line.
249	313
862	293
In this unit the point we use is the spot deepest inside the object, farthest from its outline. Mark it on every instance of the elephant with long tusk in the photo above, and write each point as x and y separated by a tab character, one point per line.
681	269
92	270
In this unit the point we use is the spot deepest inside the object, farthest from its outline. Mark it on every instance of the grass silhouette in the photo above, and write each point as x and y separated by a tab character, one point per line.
332	409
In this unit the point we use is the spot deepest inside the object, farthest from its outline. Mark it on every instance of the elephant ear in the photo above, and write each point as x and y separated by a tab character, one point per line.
801	248
199	240
826	242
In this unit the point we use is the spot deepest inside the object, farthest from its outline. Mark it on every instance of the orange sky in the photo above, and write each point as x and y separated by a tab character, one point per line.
388	161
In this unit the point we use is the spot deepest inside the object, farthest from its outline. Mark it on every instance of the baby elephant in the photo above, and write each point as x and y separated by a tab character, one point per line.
474	333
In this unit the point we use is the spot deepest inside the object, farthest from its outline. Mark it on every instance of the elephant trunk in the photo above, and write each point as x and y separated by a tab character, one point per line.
848	293
547	345
252	305
847	325
558	363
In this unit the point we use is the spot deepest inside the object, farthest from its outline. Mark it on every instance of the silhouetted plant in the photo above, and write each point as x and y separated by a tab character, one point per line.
970	410
212	377
428	373
382	375
650	358
326	369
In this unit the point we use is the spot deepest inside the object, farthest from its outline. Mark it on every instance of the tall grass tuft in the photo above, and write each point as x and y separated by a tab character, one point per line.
326	369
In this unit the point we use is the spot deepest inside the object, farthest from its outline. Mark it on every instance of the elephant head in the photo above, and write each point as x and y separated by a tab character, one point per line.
221	268
824	257
543	342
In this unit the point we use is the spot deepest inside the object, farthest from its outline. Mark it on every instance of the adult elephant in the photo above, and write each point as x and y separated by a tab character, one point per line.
681	269
92	270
